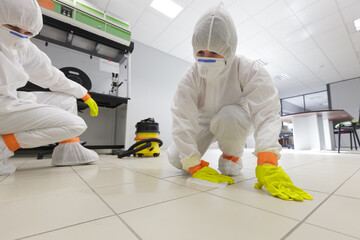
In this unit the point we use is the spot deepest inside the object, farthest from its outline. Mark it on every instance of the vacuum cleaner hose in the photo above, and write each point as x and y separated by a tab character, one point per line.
133	149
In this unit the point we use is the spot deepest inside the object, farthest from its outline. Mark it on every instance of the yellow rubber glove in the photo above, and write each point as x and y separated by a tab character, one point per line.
203	172
278	183
94	110
211	175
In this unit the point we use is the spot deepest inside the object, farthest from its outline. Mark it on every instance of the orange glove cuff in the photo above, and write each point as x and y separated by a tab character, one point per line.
196	168
71	140
231	158
86	97
268	158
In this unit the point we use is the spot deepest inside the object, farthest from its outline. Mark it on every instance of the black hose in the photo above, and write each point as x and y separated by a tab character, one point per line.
133	149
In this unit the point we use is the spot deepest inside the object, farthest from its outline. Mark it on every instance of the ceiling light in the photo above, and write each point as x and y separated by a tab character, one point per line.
357	24
262	62
167	7
281	77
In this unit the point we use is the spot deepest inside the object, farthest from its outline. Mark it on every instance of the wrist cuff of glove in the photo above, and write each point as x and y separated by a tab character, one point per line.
86	97
268	158
196	168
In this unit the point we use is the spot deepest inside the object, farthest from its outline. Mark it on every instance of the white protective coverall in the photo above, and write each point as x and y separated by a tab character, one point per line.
36	118
223	108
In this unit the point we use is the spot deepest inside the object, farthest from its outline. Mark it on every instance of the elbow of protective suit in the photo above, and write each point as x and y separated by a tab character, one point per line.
190	162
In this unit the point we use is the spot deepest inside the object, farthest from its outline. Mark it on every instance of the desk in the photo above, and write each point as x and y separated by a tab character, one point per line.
107	130
314	130
106	100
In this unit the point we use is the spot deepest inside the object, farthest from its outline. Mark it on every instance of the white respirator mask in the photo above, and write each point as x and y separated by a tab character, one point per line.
210	68
10	37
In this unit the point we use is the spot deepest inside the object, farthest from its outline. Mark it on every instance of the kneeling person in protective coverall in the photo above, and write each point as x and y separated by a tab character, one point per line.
220	98
29	120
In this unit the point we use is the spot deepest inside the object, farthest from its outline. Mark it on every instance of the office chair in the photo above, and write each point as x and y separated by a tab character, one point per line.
348	127
285	140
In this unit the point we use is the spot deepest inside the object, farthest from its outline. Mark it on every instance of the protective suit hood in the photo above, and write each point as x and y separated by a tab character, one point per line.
24	14
215	31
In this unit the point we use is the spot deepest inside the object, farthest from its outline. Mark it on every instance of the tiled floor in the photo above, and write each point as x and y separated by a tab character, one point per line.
147	198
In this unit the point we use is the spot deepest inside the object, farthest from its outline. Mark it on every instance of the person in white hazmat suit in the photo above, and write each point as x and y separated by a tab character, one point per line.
29	120
220	98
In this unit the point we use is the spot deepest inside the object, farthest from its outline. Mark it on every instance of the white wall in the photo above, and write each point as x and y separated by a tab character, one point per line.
346	95
154	79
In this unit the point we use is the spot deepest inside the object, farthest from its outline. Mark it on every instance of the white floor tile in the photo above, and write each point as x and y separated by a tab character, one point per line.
104	176
35	179
105	229
158	171
131	196
325	176
341	214
306	231
205	216
32	216
245	192
155	201
157	167
35	189
351	188
183	180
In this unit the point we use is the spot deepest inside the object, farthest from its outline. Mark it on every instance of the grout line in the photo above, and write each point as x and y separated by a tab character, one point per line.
332	230
248	205
344	196
158	203
199	192
6	176
132	230
57	229
317	207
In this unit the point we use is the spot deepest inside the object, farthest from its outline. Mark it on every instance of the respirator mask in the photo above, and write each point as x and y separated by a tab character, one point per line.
10	37
210	68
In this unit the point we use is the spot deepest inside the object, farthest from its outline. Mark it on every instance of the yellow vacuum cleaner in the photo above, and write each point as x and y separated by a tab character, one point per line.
147	140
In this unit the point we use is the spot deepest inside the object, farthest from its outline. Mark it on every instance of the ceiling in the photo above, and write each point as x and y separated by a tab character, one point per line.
311	42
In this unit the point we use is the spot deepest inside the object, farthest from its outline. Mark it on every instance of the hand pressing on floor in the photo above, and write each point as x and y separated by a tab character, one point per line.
275	180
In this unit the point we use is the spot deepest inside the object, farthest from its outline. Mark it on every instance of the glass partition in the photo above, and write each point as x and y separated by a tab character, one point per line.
317	101
293	105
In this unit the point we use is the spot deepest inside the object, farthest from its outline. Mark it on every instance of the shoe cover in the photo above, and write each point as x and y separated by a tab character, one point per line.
72	154
5	166
228	167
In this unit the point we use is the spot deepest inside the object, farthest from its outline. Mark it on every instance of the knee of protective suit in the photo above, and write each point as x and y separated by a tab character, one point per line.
232	122
78	127
68	103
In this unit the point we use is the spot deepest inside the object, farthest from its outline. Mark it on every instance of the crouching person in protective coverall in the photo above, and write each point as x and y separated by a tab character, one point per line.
220	98
29	120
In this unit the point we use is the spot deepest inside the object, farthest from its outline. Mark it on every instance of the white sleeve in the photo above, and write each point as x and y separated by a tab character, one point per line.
264	105
41	72
185	117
